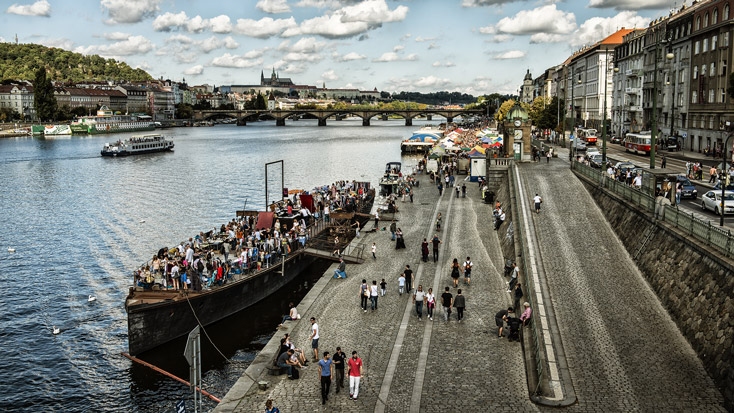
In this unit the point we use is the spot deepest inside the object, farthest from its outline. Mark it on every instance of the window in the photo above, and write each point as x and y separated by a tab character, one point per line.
716	16
705	45
703	70
695	72
711	122
694	97
722	94
711	99
712	71
706	20
726	13
698	22
723	67
696	47
725	39
682	75
713	42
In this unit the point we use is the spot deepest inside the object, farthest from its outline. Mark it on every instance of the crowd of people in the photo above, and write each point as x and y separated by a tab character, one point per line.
240	246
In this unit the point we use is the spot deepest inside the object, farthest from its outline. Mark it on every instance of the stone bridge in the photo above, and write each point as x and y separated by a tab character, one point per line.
280	116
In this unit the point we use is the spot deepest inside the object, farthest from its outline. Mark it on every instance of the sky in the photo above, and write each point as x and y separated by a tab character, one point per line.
471	46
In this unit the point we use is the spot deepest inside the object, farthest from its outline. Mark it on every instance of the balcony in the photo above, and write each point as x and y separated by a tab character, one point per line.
635	108
633	72
632	90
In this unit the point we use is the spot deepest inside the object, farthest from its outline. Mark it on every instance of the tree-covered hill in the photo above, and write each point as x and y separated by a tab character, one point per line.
20	61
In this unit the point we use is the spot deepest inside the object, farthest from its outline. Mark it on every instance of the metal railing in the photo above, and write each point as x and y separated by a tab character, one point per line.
702	230
530	291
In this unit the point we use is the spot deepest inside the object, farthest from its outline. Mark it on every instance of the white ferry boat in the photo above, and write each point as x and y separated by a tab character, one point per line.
107	122
137	144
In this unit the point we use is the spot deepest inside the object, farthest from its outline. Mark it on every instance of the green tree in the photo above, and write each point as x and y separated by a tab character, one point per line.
184	111
504	108
260	102
43	96
535	111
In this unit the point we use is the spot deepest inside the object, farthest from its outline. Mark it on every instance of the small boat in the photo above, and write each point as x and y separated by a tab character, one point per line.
138	144
11	249
391	179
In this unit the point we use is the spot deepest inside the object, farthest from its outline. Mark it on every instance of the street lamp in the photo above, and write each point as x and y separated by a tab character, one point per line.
723	181
573	115
655	102
604	115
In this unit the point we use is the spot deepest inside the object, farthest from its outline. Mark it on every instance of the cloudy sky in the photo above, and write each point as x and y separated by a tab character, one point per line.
473	46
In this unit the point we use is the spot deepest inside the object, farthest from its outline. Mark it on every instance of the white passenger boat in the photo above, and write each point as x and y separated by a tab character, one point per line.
138	144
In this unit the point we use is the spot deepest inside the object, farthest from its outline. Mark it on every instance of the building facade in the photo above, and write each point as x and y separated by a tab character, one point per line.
627	84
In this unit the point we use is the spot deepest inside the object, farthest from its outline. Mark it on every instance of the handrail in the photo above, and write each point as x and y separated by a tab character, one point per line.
711	235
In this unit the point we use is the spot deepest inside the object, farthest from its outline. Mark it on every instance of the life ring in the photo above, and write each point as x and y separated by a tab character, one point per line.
108	127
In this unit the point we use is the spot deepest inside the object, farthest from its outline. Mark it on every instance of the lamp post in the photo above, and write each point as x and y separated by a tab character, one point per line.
655	103
574	82
604	115
723	181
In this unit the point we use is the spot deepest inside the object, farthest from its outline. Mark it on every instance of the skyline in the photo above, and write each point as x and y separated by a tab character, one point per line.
476	46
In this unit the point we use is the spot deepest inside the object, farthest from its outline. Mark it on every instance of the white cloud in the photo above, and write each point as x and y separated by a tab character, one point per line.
488	30
511	54
420	39
302	57
480	3
394	57
630	4
253	54
323	4
180	38
432	81
196	24
228	60
398	48
548	38
143	65
424	83
220	24
286	67
169	21
448	63
432	46
132	46
129	11
116	36
273	6
212	43
500	38
230	43
544	19
597	28
264	28
351	56
307	45
404	37
350	20
40	8
329	75
194	70
58	42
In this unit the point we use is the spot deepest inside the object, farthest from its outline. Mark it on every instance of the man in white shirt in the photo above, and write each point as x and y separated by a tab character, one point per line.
314	339
637	182
467	270
537	200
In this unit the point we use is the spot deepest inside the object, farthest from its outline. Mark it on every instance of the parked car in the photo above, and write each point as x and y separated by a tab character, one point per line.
688	190
615	139
625	165
592	151
671	143
579	145
712	201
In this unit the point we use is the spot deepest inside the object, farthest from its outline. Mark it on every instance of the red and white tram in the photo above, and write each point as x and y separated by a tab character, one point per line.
638	143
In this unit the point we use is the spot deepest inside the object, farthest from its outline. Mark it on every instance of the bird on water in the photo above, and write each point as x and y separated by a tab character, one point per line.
11	249
91	298
56	331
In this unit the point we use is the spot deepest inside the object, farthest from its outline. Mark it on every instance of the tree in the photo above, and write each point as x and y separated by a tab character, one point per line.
535	111
504	108
260	102
43	96
184	111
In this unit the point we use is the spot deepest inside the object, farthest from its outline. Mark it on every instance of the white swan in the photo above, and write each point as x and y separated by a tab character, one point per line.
10	249
56	331
142	221
91	298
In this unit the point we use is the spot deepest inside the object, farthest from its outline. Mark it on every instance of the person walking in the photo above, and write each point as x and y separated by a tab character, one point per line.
355	374
663	162
435	241
314	337
455	272
374	250
401	283
513	280
408	278
438	222
547	156
430	303
383	288
393	230
374	295
468	264
410	194
326	370
364	293
459	304
377	220
418	299
712	174
463	190
447	300
339	361
424	250
537	200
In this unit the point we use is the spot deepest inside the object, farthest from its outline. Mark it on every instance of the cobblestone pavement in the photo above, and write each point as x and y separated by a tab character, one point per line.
466	369
623	350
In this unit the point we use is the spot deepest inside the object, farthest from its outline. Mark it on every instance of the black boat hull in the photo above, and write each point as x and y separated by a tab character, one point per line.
152	325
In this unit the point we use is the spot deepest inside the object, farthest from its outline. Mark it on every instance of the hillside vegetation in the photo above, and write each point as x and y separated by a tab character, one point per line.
23	60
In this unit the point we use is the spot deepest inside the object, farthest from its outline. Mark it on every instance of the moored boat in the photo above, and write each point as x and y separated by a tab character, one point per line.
157	314
138	144
107	122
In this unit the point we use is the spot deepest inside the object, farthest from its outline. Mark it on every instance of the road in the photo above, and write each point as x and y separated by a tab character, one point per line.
676	161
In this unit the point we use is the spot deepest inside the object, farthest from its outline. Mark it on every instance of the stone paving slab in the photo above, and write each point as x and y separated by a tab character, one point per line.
623	350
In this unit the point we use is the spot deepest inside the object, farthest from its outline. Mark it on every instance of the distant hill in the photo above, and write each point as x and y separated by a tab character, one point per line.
20	61
435	98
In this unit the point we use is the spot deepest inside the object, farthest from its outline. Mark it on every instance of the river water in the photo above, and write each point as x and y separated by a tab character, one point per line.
76	222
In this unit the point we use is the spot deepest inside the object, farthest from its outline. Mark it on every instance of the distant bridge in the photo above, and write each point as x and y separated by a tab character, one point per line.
280	116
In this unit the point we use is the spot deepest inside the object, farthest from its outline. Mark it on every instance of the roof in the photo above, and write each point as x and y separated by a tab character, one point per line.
616	38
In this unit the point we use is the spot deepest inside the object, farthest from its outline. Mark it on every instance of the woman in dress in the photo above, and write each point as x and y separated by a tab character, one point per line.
400	242
430	303
455	272
424	250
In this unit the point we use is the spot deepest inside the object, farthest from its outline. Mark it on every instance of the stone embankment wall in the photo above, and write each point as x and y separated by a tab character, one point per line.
695	284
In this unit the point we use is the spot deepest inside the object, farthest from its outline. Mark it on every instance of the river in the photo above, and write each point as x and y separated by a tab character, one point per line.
80	223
